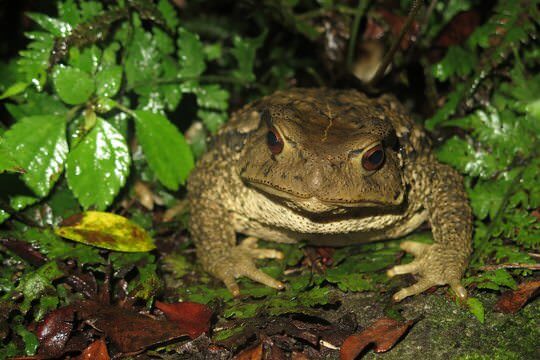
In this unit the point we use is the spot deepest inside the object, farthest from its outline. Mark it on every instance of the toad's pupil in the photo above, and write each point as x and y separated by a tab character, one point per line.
272	139
376	157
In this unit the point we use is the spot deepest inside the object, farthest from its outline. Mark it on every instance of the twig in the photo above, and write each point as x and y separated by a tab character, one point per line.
510	266
417	4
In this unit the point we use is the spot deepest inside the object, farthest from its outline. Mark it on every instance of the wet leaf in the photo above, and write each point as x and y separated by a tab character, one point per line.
95	351
54	332
55	26
511	301
191	54
142	62
127	330
38	144
165	148
98	166
106	230
73	85
35	284
7	162
384	333
192	318
108	81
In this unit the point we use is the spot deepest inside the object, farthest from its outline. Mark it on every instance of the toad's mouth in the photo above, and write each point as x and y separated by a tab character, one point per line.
284	193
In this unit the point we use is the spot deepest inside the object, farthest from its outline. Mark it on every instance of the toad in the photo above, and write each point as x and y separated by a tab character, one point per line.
333	168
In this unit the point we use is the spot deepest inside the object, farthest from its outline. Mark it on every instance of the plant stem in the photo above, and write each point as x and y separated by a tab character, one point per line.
360	11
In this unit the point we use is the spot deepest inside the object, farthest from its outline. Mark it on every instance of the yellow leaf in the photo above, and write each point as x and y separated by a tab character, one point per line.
106	230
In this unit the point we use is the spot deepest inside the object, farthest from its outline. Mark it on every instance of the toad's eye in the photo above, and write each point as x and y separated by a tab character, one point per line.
274	141
373	158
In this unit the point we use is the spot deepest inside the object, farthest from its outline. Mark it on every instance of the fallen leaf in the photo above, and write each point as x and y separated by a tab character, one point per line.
511	301
25	250
126	329
254	353
54	332
192	318
106	230
384	333
95	351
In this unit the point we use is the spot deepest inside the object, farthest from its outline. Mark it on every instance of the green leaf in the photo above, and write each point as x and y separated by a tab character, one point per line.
487	197
98	166
14	89
212	97
38	144
244	51
212	120
476	308
69	12
55	26
165	148
36	283
169	13
90	9
30	340
37	104
7	162
457	62
106	230
86	60
73	85
191	54
142	64
108	81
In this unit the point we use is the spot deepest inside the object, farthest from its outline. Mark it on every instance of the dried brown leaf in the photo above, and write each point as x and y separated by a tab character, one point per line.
384	333
511	301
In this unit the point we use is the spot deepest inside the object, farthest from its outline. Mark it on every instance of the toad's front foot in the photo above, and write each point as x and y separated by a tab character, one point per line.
239	261
435	265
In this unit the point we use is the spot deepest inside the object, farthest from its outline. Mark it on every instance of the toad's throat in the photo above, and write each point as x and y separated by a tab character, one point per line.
288	194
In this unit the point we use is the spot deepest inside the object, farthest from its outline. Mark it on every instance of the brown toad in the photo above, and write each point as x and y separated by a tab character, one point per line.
331	167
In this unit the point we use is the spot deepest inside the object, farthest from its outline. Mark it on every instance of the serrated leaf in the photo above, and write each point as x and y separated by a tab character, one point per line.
86	60
73	85
476	308
169	13
212	97
90	9
244	51
142	62
56	27
69	12
37	104
106	230
190	54
212	120
98	166
170	92
457	62
34	284
165	148
38	144
487	197
108	81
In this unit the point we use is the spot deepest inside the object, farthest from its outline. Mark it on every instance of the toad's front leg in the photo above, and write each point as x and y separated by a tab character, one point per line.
215	238
444	262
